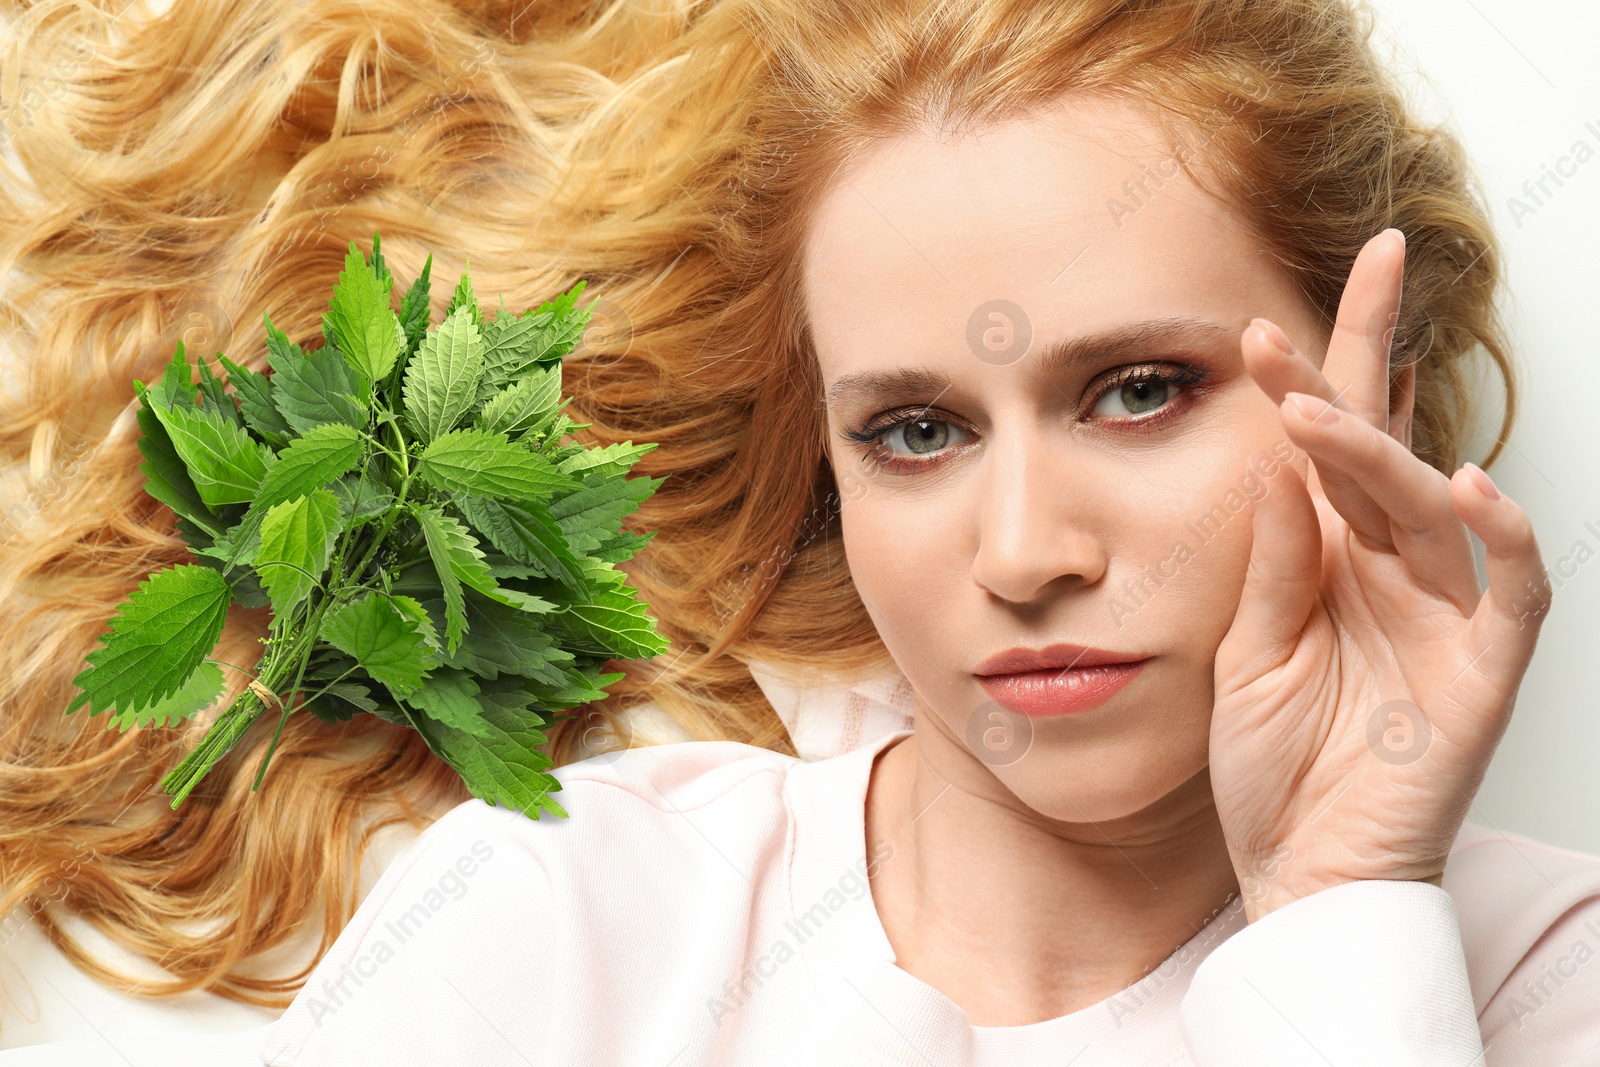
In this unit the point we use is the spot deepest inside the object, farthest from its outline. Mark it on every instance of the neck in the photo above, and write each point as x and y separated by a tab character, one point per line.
1018	917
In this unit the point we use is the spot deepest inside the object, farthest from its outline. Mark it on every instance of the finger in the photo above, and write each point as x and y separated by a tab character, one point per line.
1283	576
1511	612
1357	363
1419	518
1279	372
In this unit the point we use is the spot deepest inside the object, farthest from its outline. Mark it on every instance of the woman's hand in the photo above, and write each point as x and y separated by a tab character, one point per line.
1365	683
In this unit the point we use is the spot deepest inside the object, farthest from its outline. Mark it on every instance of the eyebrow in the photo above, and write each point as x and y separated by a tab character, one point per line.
1058	357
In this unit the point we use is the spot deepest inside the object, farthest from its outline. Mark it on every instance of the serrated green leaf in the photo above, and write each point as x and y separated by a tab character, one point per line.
419	618
195	695
457	559
595	513
485	464
608	461
500	639
160	634
222	549
623	547
311	462
465	298
175	388
441	381
449	696
522	601
224	462
340	701
363	327
526	532
386	642
297	538
313	388
613	622
517	408
261	414
361	500
549	332
166	477
214	398
414	307
506	765
380	269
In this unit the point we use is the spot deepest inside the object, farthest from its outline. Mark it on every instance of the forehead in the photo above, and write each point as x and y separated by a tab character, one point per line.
1078	215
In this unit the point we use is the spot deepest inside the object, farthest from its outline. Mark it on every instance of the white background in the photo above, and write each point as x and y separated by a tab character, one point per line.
1518	82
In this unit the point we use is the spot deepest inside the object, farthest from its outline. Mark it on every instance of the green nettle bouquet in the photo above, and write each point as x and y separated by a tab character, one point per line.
401	499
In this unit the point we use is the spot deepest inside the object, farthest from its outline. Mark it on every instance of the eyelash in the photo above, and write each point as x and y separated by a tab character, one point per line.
870	435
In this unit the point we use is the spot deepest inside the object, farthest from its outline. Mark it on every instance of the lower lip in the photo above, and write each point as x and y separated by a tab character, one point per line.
1038	694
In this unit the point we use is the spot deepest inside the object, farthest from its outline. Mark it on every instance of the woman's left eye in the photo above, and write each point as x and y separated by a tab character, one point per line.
1141	390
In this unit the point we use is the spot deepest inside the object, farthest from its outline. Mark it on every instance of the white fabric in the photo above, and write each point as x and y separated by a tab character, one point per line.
825	718
707	904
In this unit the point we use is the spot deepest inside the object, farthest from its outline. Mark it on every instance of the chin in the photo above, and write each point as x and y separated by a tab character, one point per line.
1080	787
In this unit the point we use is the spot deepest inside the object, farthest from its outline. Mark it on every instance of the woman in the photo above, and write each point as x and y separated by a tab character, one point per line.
1145	480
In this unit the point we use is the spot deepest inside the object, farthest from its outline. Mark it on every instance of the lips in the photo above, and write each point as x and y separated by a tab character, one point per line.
1057	680
1053	657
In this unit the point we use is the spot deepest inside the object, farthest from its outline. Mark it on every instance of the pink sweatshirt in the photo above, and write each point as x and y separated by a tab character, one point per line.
707	903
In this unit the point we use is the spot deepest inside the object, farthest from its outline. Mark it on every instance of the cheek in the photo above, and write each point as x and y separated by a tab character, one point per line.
1183	570
906	567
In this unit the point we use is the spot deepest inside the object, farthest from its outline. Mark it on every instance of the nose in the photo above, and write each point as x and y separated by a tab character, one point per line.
1036	522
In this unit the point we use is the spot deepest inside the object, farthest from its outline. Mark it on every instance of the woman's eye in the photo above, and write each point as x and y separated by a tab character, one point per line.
1143	392
922	436
1137	396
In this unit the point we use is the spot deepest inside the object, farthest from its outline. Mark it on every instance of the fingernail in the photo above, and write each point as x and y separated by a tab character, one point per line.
1398	232
1481	480
1276	335
1314	408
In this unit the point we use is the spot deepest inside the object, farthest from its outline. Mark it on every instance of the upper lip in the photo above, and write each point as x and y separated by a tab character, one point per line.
1020	660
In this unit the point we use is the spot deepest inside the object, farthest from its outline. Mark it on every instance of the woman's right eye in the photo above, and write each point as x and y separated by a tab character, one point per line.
922	436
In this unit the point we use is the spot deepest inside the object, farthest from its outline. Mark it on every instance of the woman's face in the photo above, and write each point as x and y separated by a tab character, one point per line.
1028	500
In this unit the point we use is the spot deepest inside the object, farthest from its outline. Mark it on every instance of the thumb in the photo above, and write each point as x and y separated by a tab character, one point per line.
1284	575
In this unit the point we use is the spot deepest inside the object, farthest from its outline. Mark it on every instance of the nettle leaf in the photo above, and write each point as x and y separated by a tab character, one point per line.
268	478
313	388
465	298
441	381
224	547
457	559
526	532
614	623
361	499
297	539
545	334
166	477
505	765
472	461
414	307
449	696
386	641
175	388
610	461
500	639
195	695
594	513
519	407
224	462
261	414
363	327
160	635
213	397
311	462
